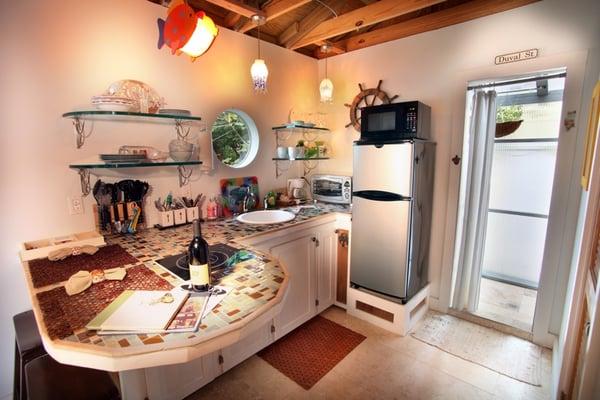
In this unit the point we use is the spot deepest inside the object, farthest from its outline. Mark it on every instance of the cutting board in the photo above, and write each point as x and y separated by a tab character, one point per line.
232	192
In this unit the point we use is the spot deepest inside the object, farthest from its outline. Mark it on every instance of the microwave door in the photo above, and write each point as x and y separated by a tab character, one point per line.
380	245
387	168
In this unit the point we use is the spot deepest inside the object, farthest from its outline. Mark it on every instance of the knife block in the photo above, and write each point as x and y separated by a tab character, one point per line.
120	211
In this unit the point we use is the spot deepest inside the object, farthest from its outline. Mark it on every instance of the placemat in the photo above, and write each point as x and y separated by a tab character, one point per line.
45	272
64	315
308	353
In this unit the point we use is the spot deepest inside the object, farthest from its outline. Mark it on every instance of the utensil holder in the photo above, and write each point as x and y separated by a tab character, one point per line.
166	218
179	216
192	213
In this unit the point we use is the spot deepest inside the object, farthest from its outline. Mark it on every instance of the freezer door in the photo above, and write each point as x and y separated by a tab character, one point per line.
387	168
380	243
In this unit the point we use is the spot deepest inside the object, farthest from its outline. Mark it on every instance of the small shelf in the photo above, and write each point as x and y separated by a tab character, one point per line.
181	122
301	159
294	126
84	168
128	115
102	164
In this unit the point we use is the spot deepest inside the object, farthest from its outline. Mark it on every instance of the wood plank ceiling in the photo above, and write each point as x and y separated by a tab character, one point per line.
345	25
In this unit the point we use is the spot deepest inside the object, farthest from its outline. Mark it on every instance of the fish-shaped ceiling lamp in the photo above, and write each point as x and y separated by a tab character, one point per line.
186	31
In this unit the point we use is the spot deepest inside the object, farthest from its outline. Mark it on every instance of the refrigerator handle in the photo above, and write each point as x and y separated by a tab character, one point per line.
379	195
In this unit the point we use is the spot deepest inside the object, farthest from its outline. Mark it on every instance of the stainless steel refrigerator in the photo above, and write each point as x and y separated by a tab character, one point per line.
391	217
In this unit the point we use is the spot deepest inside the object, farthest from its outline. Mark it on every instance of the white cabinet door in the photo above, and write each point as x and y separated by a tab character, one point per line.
299	257
247	347
326	267
180	380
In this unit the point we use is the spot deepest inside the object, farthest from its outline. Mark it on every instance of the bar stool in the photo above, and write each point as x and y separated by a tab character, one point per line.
28	346
48	379
38	376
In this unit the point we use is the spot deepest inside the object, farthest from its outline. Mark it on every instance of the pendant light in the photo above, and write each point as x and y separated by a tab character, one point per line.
259	70
326	86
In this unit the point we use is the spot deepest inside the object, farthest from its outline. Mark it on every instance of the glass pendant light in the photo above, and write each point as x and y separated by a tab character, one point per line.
259	70
326	86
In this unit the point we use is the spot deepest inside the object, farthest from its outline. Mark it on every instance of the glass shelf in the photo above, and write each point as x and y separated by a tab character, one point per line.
182	122
128	115
295	126
102	164
300	159
85	167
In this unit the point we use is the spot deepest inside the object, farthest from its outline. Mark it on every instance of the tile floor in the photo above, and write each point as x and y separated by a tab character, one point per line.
383	366
509	304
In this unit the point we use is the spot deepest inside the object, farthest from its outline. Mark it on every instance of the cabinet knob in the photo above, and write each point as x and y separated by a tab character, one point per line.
316	241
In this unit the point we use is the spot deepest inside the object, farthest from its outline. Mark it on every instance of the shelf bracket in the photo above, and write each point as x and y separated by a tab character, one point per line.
79	126
309	166
182	130
84	177
184	175
279	170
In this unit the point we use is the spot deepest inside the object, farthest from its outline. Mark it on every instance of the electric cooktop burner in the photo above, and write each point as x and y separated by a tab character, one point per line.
218	254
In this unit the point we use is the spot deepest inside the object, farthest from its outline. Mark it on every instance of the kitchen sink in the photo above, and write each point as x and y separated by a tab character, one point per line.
265	217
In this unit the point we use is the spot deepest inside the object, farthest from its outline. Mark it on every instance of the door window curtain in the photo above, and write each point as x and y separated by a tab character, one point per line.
475	193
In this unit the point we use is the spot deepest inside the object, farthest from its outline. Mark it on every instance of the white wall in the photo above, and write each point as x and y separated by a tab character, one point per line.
69	50
434	68
56	54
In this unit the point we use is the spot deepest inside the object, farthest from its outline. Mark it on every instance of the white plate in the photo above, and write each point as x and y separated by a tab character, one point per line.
113	106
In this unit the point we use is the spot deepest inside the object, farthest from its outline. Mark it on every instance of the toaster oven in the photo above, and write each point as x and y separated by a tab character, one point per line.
332	188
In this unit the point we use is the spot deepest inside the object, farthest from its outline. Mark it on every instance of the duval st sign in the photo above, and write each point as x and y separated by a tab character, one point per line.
517	56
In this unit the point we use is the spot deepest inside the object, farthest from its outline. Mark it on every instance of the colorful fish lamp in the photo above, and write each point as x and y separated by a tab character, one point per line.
202	38
259	70
326	86
186	31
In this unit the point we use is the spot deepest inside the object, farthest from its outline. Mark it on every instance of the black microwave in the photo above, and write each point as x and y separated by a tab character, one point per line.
394	122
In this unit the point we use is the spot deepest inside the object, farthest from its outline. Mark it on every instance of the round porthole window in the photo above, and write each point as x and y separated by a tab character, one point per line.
235	138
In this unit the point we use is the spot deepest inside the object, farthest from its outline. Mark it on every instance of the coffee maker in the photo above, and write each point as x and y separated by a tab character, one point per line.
297	189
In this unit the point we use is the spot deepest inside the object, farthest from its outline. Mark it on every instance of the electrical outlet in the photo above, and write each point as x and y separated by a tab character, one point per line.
75	205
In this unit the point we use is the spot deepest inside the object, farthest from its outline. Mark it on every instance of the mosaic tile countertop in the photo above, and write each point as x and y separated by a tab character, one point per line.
255	283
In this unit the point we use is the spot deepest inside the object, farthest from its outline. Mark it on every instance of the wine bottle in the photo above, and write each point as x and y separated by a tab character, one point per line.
198	260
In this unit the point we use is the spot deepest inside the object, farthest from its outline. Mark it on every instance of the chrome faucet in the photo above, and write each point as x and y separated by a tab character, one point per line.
249	200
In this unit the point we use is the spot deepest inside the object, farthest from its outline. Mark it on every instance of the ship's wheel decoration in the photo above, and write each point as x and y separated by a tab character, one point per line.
367	97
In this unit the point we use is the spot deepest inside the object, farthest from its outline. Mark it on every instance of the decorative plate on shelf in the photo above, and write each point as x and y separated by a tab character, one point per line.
143	95
113	103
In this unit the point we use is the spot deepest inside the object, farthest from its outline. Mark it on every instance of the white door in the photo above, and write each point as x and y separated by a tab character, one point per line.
326	267
180	380
247	347
299	257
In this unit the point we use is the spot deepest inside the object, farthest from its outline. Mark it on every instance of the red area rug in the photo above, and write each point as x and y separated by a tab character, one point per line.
308	353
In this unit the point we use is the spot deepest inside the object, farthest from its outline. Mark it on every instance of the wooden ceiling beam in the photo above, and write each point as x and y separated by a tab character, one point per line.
289	32
232	19
273	10
361	17
440	19
333	50
310	22
238	7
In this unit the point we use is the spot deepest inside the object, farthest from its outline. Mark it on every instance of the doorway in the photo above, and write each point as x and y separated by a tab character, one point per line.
507	175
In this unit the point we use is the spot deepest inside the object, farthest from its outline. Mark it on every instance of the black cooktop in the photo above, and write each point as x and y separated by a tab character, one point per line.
218	254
